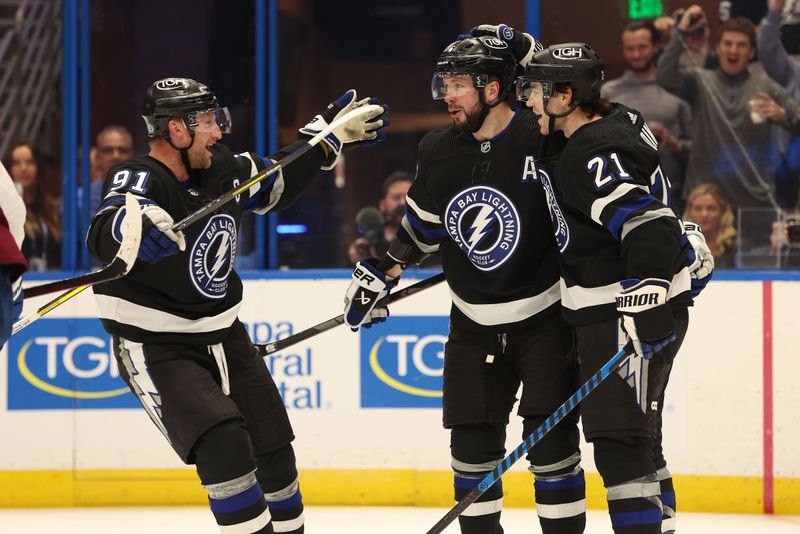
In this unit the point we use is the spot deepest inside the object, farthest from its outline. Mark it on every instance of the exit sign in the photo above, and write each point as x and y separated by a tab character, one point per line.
644	9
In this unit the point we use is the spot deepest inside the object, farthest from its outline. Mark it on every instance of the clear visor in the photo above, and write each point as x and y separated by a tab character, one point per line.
527	88
451	84
211	120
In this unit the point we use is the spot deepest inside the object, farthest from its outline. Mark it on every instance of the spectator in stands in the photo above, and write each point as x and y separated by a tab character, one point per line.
667	115
707	207
42	244
785	240
692	24
785	70
114	145
731	142
380	231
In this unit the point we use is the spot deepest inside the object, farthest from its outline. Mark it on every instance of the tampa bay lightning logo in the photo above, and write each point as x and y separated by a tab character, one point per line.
212	255
485	224
559	222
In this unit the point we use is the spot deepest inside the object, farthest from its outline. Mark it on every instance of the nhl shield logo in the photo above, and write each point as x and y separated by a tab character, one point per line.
211	259
484	222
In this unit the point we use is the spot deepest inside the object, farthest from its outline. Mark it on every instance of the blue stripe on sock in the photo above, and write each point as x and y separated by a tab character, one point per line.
237	502
668	498
465	483
564	483
291	502
642	517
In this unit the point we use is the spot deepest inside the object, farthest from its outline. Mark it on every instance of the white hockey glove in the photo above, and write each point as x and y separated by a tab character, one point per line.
646	316
158	239
522	45
699	260
369	285
365	130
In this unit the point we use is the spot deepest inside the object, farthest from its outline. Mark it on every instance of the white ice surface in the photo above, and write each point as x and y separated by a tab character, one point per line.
342	520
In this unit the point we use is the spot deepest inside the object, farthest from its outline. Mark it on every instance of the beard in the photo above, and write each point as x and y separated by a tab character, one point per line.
473	118
644	68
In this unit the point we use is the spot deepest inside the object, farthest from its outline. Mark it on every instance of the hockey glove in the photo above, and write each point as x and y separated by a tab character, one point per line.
522	44
158	239
699	260
646	316
365	130
369	285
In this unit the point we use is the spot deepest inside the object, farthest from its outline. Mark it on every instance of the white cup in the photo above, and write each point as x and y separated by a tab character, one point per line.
754	115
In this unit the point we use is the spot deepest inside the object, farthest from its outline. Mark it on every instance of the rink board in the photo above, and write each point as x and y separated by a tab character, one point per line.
365	407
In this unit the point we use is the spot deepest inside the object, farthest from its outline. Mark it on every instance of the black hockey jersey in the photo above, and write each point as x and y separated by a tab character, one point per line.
194	292
610	206
481	205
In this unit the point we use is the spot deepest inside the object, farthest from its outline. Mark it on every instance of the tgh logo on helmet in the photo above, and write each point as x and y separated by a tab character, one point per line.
170	83
568	53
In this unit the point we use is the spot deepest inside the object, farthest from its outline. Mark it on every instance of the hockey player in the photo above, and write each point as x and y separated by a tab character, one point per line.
624	274
478	202
12	262
177	340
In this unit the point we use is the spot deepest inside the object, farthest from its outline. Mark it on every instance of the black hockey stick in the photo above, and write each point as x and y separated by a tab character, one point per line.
324	326
119	266
230	195
534	438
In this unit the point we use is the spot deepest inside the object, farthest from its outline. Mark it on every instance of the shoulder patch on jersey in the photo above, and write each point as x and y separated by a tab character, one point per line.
211	257
484	223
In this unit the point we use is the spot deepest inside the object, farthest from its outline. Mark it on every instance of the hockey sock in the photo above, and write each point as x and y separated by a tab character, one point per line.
286	507
482	516
238	506
668	500
635	506
561	502
236	500
277	475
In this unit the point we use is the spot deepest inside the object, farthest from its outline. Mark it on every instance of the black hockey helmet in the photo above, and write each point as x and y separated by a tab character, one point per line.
182	98
478	57
574	63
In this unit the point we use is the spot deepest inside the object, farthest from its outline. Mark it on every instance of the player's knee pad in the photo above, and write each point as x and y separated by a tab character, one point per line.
224	453
276	469
477	443
558	452
622	459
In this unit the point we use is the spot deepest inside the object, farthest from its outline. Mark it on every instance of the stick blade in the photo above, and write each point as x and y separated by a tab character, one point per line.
131	232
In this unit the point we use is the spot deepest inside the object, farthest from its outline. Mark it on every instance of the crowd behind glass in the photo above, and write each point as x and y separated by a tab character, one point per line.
725	108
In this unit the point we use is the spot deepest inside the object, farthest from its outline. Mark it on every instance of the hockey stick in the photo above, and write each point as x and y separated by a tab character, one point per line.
534	438
285	343
230	195
119	266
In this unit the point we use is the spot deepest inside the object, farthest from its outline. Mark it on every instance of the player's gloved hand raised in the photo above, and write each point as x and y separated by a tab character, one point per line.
699	260
522	45
646	316
369	285
364	130
158	239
